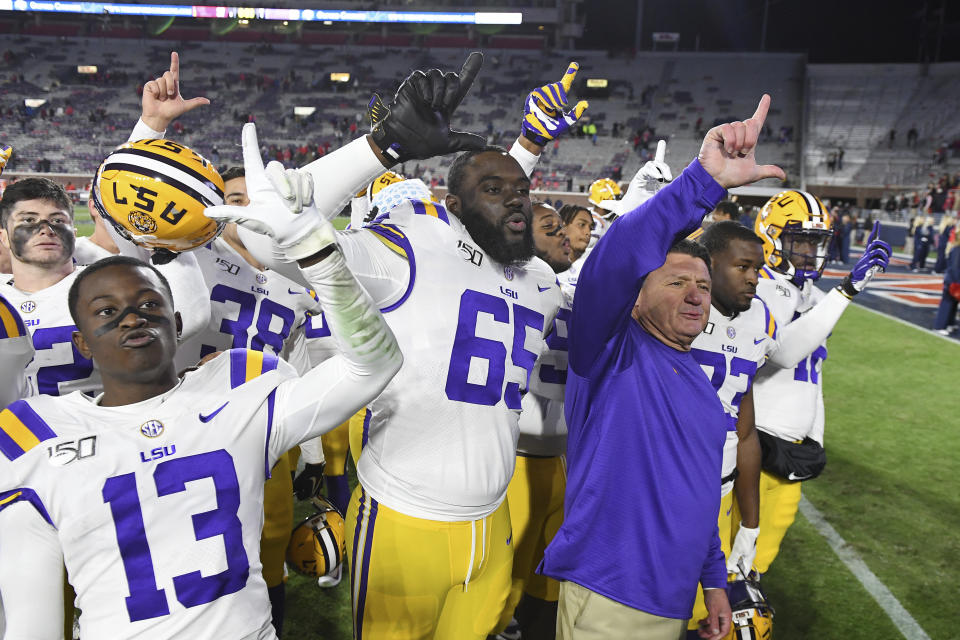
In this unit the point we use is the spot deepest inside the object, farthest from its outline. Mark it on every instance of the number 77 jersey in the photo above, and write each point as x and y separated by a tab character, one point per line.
158	505
441	439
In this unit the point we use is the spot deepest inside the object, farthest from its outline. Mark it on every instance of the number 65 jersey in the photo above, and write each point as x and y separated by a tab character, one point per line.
442	437
158	505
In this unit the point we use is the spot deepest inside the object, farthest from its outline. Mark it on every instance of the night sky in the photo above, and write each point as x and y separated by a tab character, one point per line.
827	30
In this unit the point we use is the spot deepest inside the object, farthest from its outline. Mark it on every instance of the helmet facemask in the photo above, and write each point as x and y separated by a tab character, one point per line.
802	252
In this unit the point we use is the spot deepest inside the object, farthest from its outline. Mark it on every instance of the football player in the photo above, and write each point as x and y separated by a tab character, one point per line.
535	493
604	195
469	304
795	229
122	476
36	226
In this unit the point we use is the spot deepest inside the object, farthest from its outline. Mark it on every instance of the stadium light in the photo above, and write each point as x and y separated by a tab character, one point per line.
249	13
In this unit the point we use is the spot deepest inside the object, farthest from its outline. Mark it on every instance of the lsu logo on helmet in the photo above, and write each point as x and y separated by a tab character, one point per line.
317	544
752	615
154	193
789	220
604	193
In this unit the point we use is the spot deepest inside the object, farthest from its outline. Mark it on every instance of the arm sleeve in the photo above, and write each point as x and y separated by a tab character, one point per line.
31	575
796	340
327	395
713	575
142	132
191	297
526	160
338	176
633	246
816	431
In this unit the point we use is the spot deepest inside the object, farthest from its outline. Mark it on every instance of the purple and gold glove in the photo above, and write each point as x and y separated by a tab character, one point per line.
543	116
875	258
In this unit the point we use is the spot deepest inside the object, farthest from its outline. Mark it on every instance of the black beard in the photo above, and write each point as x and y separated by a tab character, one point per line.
490	238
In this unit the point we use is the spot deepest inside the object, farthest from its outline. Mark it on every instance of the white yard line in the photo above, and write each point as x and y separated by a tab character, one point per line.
879	591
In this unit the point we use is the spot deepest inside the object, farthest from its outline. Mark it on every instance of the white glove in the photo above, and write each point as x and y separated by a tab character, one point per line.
648	180
744	550
281	205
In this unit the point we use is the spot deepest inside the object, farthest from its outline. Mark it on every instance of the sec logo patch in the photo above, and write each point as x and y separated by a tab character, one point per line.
28	307
151	428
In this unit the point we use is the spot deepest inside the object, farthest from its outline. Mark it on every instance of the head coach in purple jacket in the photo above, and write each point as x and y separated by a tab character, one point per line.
646	429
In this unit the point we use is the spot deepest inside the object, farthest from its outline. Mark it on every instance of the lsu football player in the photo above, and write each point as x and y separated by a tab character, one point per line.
36	217
140	567
604	195
789	411
535	493
464	293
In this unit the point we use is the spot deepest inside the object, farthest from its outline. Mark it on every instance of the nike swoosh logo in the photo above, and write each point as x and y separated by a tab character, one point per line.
794	476
209	416
510	539
759	341
542	289
294	293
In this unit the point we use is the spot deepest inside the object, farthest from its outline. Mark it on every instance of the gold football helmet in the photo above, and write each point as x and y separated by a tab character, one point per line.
317	544
752	616
154	193
604	193
795	229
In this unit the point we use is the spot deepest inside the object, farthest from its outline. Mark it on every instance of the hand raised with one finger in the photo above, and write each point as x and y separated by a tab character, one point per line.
162	102
728	152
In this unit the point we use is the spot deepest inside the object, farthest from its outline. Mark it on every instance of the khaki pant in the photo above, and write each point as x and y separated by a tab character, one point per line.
585	615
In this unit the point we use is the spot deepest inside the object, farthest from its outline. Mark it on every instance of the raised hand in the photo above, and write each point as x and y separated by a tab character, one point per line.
647	181
283	211
162	102
728	152
875	258
544	118
416	124
5	152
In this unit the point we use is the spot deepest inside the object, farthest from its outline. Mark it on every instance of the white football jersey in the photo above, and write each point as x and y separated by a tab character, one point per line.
57	367
789	402
158	505
86	252
730	350
249	309
543	427
568	278
442	436
17	349
600	225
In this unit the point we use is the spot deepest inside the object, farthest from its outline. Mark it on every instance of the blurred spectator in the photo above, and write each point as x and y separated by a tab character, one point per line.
891	138
945	322
912	137
922	233
947	225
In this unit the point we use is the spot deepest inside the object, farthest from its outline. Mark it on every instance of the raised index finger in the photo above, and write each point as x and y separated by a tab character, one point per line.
761	113
569	75
252	162
175	65
468	73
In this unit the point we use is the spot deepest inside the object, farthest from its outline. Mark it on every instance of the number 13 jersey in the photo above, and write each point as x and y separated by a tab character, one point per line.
442	437
158	505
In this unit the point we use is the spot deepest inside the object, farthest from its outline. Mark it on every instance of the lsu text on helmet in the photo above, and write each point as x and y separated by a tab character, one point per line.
795	229
317	544
154	193
604	193
752	616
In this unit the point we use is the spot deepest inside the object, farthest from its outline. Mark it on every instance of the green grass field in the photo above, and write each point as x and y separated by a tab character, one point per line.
888	489
892	437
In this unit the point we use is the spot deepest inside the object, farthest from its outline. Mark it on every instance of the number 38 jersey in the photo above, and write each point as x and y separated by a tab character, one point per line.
442	437
57	367
158	505
789	402
730	350
249	309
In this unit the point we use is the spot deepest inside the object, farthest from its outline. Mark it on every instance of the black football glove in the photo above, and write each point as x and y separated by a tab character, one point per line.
309	482
416	124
